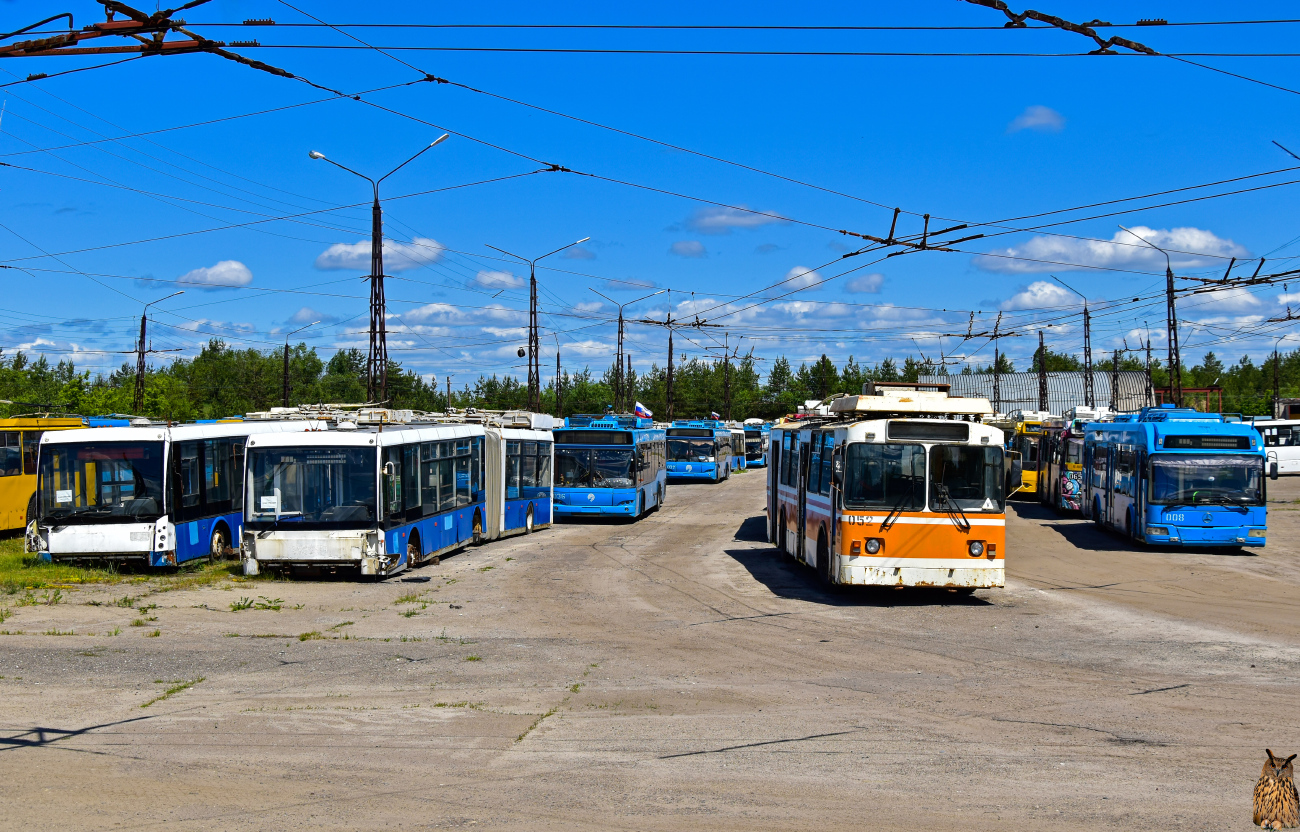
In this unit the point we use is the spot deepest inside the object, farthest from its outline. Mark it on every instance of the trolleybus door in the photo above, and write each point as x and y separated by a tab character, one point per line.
773	479
805	454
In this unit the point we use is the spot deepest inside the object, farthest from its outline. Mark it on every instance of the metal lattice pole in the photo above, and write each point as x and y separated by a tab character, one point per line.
1042	373
377	359
534	361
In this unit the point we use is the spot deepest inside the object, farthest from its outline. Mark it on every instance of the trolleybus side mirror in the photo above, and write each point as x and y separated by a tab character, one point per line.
837	470
1272	470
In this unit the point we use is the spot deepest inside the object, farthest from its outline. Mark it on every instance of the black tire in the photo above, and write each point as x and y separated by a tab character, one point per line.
824	571
219	543
640	505
659	498
528	521
31	510
1096	512
413	553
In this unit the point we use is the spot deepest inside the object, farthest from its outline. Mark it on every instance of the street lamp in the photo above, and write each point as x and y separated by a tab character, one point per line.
286	358
377	361
140	353
534	360
1171	321
621	395
1089	394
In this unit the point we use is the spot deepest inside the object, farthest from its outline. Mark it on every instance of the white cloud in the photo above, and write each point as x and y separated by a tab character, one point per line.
1041	294
688	248
225	275
866	284
398	257
578	253
306	315
498	280
1186	247
591	306
800	277
719	220
1234	299
1038	118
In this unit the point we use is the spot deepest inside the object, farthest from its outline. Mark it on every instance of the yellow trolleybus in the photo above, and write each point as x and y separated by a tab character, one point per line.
20	437
902	486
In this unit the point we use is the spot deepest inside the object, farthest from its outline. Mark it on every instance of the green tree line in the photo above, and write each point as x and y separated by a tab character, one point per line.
221	381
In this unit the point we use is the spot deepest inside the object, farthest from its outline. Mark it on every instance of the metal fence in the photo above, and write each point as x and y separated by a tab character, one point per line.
1019	391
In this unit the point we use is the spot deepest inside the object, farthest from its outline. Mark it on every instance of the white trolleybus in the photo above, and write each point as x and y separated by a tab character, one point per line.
388	491
902	486
155	494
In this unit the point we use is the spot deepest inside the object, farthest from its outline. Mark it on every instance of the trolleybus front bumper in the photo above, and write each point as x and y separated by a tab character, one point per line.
692	471
150	543
595	502
352	549
1196	536
916	572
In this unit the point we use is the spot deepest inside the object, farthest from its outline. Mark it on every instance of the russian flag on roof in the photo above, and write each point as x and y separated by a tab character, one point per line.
643	411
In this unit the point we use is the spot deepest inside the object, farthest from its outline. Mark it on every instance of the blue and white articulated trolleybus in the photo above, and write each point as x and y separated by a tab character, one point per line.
699	449
386	490
1177	477
152	494
757	435
738	461
611	465
903	486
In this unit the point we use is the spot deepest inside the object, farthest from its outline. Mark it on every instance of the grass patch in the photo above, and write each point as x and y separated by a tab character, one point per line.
486	568
139	622
314	634
264	603
127	601
337	626
20	571
4	614
154	634
536	722
473	658
408	598
410	613
57	632
173	690
116	631
241	604
575	687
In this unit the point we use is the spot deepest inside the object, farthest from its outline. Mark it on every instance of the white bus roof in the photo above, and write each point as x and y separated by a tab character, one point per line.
902	402
176	433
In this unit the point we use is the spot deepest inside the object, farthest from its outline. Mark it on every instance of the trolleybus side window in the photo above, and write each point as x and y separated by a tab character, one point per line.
31	444
785	458
219	482
512	469
828	450
186	491
392	478
885	476
11	455
815	467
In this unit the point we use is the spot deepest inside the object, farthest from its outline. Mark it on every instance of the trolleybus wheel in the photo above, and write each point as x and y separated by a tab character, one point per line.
217	548
478	529
659	498
31	509
528	521
413	550
824	560
640	504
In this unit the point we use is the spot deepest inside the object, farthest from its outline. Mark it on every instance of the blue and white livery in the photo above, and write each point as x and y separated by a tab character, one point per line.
609	465
154	494
757	436
1174	476
699	449
379	497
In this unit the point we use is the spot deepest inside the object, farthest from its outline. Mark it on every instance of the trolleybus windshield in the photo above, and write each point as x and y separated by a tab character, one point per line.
885	476
101	482
967	476
690	450
1201	479
319	486
593	468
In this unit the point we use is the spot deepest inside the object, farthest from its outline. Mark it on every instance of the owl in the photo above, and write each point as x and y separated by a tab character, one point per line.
1277	806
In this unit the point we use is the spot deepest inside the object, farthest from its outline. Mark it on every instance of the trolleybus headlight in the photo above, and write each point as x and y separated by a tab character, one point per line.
1157	530
976	548
873	545
1257	533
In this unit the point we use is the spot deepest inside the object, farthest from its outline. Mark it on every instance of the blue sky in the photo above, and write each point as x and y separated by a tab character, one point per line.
974	139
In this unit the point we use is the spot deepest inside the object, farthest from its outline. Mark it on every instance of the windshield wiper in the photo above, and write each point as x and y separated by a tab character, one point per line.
954	510
897	509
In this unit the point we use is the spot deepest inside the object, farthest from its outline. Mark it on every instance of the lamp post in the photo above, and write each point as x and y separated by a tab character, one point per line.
377	361
286	359
534	360
620	394
138	404
1089	395
1171	321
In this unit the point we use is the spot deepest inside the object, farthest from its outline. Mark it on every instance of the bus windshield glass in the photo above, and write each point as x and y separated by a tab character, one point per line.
1204	479
966	476
690	450
885	476
101	482
593	468
1074	452
324	487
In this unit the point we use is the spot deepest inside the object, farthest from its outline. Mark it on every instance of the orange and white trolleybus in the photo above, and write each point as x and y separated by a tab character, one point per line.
903	486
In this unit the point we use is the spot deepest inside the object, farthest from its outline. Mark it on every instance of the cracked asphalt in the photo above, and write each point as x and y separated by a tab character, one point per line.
670	674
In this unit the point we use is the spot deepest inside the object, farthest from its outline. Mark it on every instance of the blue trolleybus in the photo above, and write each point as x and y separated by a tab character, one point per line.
757	434
737	448
699	449
379	497
153	494
609	465
1174	476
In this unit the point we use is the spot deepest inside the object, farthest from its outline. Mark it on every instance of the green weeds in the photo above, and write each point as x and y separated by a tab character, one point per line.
176	688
